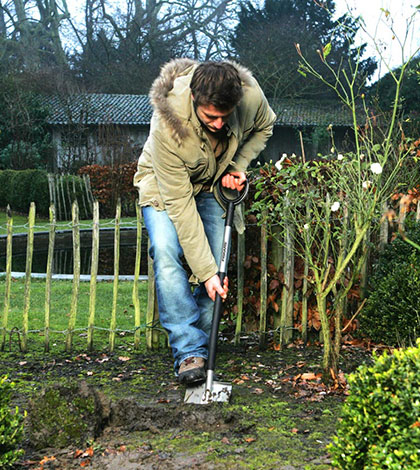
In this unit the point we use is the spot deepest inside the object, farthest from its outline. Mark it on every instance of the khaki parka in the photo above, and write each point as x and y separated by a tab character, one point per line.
177	158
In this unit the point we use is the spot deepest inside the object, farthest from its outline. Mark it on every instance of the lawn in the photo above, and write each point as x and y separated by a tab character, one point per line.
20	223
60	307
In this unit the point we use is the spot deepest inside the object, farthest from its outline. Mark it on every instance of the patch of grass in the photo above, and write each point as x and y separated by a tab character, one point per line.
60	308
20	223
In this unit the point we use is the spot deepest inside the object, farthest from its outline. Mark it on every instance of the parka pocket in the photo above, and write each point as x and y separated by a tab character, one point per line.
198	170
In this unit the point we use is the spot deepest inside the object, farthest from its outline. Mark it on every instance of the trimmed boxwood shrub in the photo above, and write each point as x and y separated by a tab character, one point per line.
380	426
11	427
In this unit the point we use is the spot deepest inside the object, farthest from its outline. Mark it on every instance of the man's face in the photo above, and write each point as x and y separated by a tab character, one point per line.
211	117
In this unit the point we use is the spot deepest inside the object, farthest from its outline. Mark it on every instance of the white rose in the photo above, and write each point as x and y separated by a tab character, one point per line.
335	206
376	168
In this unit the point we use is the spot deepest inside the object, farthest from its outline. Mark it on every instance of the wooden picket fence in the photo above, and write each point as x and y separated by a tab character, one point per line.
148	322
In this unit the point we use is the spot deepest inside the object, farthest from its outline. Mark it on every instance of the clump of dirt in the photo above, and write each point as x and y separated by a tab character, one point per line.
66	415
132	416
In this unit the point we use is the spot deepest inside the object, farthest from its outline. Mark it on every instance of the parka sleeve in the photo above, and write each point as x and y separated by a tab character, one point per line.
176	191
264	118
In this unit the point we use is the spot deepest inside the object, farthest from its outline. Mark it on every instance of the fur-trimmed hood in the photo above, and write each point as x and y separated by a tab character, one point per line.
164	83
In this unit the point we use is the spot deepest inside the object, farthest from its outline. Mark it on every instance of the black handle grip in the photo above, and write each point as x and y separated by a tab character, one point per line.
217	315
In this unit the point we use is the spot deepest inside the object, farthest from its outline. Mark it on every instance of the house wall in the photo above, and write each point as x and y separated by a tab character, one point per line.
83	145
110	144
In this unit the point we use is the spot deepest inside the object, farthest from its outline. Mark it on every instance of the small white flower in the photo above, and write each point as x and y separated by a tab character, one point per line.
340	156
366	184
376	168
332	149
362	156
278	163
306	226
293	155
335	206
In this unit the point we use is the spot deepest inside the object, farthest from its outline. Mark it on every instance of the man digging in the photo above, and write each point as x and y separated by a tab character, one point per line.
210	121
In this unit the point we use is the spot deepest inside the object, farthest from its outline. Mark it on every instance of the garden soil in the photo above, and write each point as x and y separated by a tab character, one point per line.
125	410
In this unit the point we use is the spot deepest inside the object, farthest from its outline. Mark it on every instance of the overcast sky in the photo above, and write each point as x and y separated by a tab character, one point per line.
376	24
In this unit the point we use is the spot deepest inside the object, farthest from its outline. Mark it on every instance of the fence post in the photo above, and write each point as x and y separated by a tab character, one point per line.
48	280
76	275
240	286
116	274
28	270
286	323
136	300
61	184
152	311
263	283
8	277
277	259
93	275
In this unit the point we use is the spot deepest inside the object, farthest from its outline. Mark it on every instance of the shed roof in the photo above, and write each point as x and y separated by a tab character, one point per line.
100	108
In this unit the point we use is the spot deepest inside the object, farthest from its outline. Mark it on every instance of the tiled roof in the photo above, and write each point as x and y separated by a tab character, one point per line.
311	113
98	108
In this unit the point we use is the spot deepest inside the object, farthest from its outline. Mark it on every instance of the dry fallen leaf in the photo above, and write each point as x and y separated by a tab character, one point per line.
124	358
250	439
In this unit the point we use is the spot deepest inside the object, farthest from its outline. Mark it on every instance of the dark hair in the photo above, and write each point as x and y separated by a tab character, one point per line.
218	84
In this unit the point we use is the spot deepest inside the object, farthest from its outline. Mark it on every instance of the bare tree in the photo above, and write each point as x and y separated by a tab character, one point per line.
32	32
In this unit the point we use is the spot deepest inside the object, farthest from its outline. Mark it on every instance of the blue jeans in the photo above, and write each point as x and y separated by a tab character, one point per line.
185	314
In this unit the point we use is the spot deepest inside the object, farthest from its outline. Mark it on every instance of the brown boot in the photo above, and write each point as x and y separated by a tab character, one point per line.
192	370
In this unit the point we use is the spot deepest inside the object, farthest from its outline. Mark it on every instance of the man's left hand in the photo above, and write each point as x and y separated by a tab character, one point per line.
234	180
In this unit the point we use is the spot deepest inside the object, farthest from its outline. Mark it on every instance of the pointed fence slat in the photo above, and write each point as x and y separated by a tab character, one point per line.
263	284
93	274
286	323
48	280
240	286
150	313
76	275
8	278
136	299
28	271
113	324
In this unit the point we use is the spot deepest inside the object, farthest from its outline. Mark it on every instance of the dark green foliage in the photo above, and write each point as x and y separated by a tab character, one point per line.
20	188
265	38
24	139
392	312
383	94
380	428
11	427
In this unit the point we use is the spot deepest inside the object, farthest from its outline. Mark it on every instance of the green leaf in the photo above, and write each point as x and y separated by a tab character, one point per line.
326	50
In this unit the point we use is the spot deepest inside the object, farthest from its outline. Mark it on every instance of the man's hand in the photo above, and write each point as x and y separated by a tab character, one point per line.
214	286
234	180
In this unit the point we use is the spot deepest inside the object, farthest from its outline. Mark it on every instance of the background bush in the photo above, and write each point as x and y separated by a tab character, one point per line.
109	183
11	427
392	311
380	426
21	187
